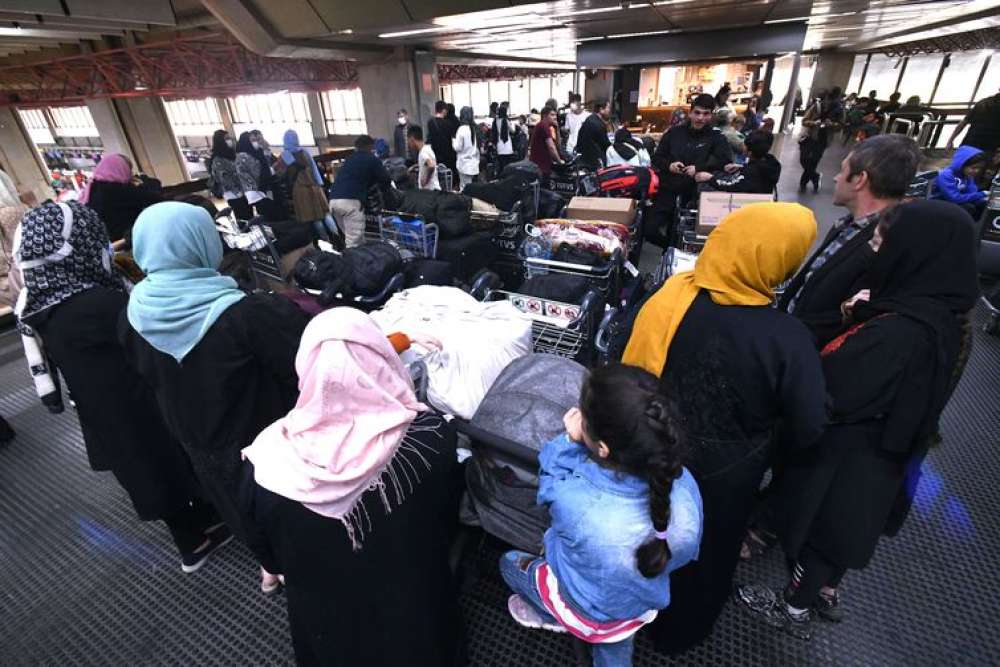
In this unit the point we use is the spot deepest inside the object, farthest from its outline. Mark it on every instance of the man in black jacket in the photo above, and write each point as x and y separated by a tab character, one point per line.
684	151
872	178
592	141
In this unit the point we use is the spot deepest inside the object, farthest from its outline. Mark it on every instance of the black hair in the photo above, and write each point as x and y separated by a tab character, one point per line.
202	201
440	106
623	408
574	97
704	101
895	96
546	110
416	132
759	143
600	104
978	158
890	160
364	143
450	108
220	147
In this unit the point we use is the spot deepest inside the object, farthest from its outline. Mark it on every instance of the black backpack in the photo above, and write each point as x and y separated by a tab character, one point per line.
361	271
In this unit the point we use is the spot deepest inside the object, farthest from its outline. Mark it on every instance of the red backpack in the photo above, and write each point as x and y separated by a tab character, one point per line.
624	180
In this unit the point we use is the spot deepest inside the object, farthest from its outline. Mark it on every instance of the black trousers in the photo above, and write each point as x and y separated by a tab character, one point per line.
810	153
661	229
811	573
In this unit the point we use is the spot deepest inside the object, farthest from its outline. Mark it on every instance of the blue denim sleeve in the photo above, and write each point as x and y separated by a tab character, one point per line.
559	458
687	519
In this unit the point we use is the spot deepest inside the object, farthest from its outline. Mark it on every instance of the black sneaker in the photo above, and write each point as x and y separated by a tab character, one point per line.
192	562
763	602
828	608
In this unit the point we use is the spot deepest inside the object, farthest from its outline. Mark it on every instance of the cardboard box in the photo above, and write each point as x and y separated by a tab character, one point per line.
714	206
606	209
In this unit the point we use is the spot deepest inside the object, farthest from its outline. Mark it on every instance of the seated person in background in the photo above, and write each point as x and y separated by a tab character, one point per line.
356	474
117	196
427	176
759	175
627	150
625	514
730	124
350	189
957	182
686	149
891	106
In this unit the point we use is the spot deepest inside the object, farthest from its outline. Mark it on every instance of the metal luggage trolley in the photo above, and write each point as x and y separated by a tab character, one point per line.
922	186
573	180
412	236
445	178
563	329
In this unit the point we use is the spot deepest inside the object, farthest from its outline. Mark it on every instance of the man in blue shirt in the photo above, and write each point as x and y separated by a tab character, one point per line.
350	188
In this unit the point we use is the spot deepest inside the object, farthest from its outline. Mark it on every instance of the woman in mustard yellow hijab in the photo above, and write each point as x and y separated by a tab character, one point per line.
736	368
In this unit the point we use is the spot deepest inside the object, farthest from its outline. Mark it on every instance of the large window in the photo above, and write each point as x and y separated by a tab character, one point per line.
37	125
193	118
344	112
73	122
883	74
522	94
854	82
958	84
272	114
918	79
991	81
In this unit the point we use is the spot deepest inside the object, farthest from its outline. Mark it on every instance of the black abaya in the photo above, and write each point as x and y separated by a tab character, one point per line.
735	371
392	601
121	423
236	381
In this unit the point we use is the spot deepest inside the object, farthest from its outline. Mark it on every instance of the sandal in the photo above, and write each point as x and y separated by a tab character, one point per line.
756	543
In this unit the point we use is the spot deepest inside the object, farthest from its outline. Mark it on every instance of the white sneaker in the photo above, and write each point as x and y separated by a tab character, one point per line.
526	615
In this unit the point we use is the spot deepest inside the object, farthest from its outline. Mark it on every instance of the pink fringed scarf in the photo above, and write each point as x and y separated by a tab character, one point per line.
355	405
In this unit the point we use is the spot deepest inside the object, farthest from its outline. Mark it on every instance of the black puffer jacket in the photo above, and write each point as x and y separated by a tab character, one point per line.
757	176
706	149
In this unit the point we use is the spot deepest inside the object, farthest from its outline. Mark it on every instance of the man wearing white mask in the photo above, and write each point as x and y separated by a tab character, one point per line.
399	144
574	119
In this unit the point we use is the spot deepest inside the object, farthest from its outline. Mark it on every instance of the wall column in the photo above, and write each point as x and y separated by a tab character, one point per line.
20	158
318	121
109	128
832	69
148	129
385	89
426	86
788	113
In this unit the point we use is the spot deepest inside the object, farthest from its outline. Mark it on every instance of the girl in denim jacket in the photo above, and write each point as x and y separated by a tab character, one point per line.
625	513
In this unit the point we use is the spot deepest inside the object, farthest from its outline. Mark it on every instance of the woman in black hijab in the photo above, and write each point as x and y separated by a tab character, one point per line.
222	167
254	172
889	377
626	149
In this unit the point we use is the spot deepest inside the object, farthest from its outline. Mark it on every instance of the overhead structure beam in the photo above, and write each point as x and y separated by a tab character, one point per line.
192	66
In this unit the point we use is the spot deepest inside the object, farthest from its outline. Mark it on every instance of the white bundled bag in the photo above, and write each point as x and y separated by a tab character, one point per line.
478	340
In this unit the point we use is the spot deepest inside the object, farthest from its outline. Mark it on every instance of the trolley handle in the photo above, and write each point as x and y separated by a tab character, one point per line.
602	340
616	257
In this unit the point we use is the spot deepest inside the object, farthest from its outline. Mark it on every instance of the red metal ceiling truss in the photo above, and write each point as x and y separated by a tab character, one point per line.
194	66
460	73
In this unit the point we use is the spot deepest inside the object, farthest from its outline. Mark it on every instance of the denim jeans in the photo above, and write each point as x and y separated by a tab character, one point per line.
518	569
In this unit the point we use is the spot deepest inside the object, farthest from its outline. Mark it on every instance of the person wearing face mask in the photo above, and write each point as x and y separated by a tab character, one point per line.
254	171
399	144
225	181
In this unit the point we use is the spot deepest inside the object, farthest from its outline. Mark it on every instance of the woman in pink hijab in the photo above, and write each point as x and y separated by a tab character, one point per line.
117	196
356	495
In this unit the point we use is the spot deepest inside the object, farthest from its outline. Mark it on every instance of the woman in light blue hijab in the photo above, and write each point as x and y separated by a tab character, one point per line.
178	248
290	145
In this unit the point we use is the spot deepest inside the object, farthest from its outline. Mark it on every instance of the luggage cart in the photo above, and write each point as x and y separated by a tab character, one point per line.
564	329
570	180
445	178
921	187
412	236
367	303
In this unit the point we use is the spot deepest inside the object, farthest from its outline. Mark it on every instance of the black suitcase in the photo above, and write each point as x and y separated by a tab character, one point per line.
468	254
428	272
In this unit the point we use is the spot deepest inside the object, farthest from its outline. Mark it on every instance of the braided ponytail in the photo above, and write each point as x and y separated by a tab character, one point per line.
623	407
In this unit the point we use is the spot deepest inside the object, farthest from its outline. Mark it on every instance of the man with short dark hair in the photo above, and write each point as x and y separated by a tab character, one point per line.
440	132
427	176
543	148
872	178
592	140
399	147
350	188
759	175
689	148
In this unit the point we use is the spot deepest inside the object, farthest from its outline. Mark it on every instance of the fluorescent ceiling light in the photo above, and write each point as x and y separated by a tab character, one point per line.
589	39
797	18
641	34
420	31
598	10
661	3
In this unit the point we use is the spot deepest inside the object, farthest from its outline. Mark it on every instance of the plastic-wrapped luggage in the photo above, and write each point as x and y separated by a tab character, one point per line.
525	407
478	341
